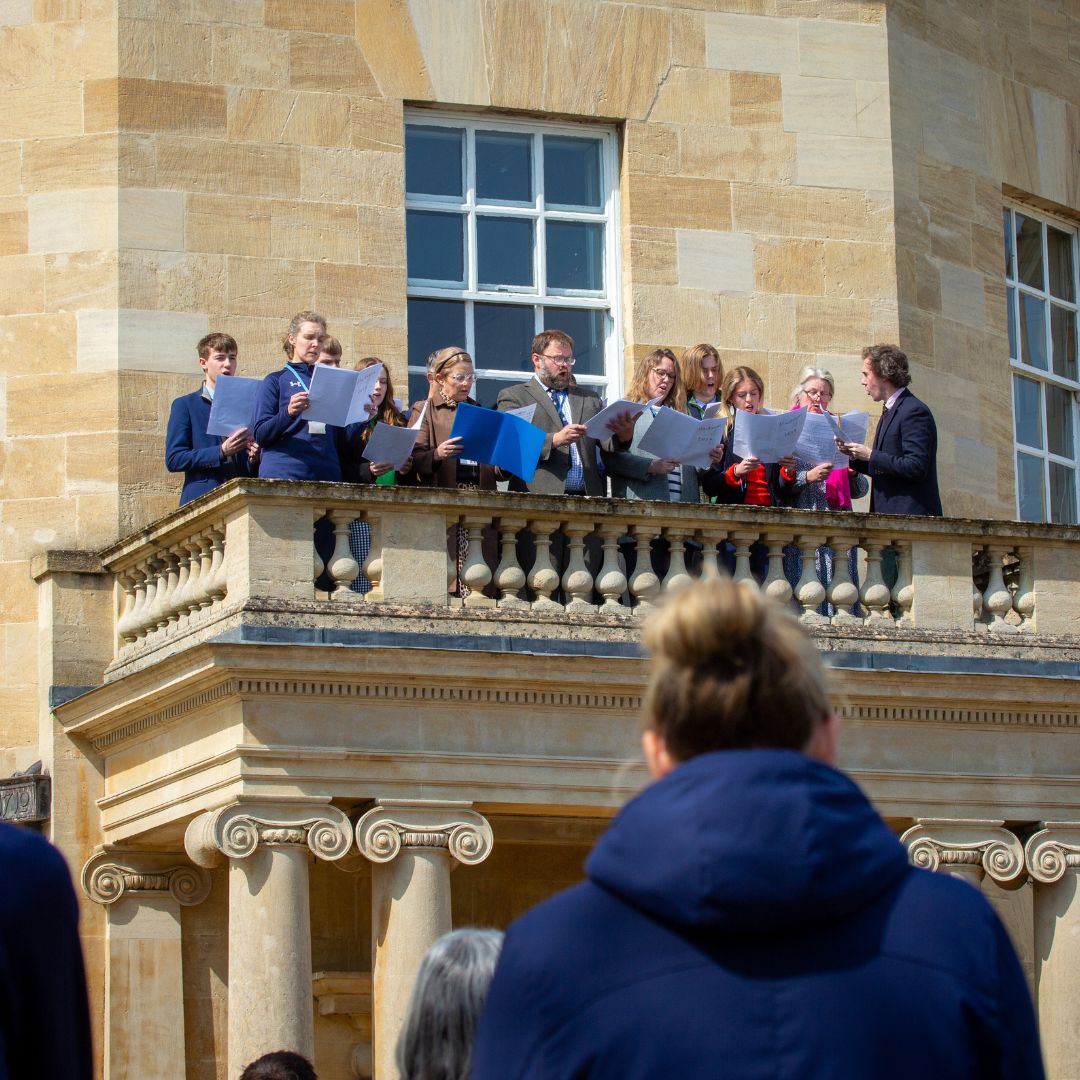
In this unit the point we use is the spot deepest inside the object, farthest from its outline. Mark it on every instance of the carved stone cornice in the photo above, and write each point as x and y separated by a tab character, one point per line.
1053	850
454	827
946	844
110	876
235	831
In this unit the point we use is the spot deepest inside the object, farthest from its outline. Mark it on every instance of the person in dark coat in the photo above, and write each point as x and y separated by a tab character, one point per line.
902	463
749	914
44	1019
207	461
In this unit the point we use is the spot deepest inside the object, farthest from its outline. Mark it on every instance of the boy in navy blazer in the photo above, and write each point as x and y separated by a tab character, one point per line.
903	460
207	461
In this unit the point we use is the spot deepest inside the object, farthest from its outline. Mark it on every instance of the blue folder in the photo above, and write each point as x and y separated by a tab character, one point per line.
499	439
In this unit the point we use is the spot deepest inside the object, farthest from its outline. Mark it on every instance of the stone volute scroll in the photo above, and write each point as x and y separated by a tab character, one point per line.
965	847
413	845
110	876
1053	850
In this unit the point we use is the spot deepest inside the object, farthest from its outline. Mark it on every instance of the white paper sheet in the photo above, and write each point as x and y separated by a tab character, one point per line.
768	437
715	409
526	412
233	405
340	396
597	427
392	444
817	444
678	437
420	418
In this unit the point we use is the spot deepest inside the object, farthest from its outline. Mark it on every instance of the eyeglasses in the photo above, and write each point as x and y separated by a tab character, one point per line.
662	375
462	380
817	393
569	361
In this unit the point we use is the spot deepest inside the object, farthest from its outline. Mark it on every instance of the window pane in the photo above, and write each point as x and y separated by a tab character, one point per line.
486	391
1029	251
1029	487
433	324
572	171
1062	494
1032	331
1027	412
433	160
575	255
1010	303
587	330
1063	340
503	335
1059	422
504	166
504	251
435	246
1059	256
1006	218
418	390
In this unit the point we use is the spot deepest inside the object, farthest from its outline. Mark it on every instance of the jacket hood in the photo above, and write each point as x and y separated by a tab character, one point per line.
751	841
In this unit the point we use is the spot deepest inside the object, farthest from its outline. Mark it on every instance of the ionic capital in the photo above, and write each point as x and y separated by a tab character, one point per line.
392	825
956	844
236	831
1053	850
109	876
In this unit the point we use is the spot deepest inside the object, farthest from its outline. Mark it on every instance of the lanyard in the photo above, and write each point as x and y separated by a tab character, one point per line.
304	384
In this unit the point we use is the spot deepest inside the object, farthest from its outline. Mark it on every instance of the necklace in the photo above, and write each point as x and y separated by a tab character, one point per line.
447	400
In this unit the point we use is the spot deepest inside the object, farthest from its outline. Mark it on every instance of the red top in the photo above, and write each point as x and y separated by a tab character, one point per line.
757	487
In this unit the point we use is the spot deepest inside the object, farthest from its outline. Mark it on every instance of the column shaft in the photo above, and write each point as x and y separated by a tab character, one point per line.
270	1003
1057	959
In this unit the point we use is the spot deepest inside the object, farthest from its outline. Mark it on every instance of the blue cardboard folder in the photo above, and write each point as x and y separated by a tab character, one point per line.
499	439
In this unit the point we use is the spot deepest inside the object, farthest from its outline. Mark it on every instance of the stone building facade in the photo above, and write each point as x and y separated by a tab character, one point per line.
789	179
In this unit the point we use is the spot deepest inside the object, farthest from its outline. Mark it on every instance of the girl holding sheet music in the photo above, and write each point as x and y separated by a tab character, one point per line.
821	485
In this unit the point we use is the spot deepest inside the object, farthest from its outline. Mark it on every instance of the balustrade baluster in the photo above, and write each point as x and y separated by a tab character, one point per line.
711	568
172	588
842	592
543	578
159	618
317	564
476	574
219	582
1024	597
124	631
997	600
903	592
875	593
509	576
644	585
577	582
202	598
677	575
809	591
611	582
776	584
144	598
189	557
183	560
342	568
743	542
373	564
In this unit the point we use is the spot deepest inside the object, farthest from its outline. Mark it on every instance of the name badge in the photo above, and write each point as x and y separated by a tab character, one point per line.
316	427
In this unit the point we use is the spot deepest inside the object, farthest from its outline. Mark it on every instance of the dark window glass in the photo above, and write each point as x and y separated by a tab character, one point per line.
575	255
572	171
1029	487
1006	218
1059	421
1010	303
587	330
1063	340
433	324
1033	331
1027	412
1029	262
1059	254
504	252
503	335
1062	494
433	160
435	246
504	166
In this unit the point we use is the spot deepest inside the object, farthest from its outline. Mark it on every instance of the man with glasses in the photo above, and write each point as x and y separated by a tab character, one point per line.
569	463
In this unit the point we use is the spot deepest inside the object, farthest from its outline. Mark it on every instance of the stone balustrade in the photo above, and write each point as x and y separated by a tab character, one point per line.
251	544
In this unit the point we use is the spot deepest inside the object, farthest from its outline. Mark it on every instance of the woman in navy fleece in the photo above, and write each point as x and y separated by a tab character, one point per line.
293	448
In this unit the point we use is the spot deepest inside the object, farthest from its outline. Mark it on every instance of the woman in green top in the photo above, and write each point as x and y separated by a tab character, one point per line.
362	471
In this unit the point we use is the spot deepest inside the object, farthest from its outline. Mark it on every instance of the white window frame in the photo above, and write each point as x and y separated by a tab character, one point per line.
537	297
1017	366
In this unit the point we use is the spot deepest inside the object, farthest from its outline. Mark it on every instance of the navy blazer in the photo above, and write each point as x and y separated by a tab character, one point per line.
188	449
903	461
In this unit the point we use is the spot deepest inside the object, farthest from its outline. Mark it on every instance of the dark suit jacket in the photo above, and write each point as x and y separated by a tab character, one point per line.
188	449
550	476
903	461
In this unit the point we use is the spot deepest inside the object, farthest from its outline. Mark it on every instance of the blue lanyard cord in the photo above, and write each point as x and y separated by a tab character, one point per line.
304	384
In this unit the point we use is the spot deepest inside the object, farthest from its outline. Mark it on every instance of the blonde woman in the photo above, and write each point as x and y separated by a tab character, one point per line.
702	373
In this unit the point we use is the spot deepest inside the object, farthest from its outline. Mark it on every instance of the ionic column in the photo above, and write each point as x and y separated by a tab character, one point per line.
1053	860
966	848
144	986
414	845
269	846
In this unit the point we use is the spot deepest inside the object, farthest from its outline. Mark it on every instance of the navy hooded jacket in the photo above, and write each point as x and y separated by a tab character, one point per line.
751	916
44	1019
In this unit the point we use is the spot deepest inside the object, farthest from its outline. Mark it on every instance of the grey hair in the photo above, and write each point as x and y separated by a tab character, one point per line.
297	321
811	372
436	1039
